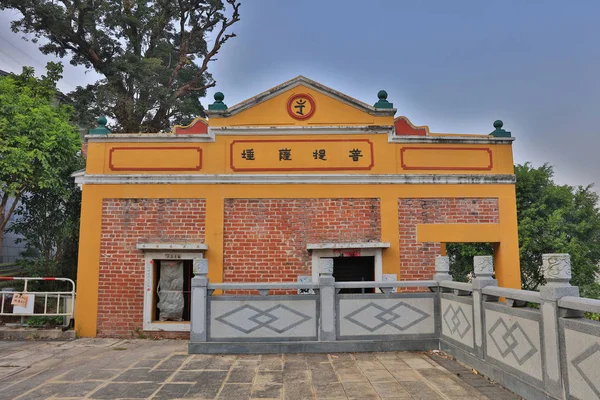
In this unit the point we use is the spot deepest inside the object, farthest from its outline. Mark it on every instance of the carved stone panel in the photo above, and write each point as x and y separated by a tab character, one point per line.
457	321
254	318
515	342
556	268
483	266
583	359
371	316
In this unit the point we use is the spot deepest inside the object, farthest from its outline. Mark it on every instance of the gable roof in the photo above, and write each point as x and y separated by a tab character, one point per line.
309	83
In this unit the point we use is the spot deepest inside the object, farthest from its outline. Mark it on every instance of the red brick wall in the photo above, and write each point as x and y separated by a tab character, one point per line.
417	260
126	222
265	239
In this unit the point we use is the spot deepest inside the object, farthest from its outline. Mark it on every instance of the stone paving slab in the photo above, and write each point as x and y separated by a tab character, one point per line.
145	369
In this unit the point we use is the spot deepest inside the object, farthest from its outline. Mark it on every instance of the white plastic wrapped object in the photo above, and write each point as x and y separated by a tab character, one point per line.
170	291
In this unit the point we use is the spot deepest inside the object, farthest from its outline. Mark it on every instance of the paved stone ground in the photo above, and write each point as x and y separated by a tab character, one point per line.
136	369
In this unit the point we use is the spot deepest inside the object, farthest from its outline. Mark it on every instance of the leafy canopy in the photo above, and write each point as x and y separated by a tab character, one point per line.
37	142
154	55
552	219
48	221
556	219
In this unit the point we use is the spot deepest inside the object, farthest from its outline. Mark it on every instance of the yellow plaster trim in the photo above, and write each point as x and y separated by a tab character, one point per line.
459	233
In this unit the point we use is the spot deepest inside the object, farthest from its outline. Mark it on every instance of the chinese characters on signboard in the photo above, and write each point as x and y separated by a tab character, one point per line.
320	154
286	154
301	155
248	154
171	256
19	300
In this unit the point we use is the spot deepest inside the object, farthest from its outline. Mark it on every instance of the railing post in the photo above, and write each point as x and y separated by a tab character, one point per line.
327	293
389	278
483	271
199	303
557	272
442	273
442	269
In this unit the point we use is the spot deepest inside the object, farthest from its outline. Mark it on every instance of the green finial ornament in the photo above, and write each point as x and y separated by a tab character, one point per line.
499	132
101	129
383	103
218	104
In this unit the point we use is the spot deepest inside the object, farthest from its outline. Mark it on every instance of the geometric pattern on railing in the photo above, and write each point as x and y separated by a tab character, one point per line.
512	340
457	321
279	318
400	316
587	363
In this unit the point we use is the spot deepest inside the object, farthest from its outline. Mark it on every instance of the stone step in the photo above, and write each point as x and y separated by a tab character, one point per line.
10	333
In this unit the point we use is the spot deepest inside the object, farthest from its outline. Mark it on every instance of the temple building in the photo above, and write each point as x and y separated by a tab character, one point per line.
266	188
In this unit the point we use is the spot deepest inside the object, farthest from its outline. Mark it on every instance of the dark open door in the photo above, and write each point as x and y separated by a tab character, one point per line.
354	269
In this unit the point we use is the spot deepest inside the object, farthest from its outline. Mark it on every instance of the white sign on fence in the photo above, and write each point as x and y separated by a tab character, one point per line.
27	299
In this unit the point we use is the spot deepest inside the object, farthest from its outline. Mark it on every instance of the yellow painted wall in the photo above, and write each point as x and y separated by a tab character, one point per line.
216	158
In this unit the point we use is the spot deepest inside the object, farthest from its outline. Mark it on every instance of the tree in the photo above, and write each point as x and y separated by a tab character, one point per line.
154	55
49	223
556	219
37	142
552	219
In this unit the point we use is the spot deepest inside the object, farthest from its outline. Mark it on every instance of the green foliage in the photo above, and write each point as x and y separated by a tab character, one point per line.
37	142
139	334
556	219
49	223
36	138
591	291
552	219
154	55
461	258
592	316
41	321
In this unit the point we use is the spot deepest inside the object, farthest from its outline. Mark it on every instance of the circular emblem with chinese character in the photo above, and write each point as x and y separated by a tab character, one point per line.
301	106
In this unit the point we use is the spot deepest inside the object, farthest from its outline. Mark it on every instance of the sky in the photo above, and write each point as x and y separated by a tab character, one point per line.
455	66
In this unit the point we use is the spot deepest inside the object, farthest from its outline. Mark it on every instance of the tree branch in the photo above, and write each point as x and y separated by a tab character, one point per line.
158	27
168	37
2	208
219	41
11	209
183	44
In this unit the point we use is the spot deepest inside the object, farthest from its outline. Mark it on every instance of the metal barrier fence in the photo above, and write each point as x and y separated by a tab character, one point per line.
26	302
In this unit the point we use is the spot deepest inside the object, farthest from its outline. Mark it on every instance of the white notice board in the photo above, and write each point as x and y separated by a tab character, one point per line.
28	309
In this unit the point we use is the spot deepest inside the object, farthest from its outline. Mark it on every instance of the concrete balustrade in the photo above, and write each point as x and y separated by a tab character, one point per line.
536	344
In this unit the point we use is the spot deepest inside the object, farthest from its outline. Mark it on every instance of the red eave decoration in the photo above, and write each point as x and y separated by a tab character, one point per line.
198	126
403	127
